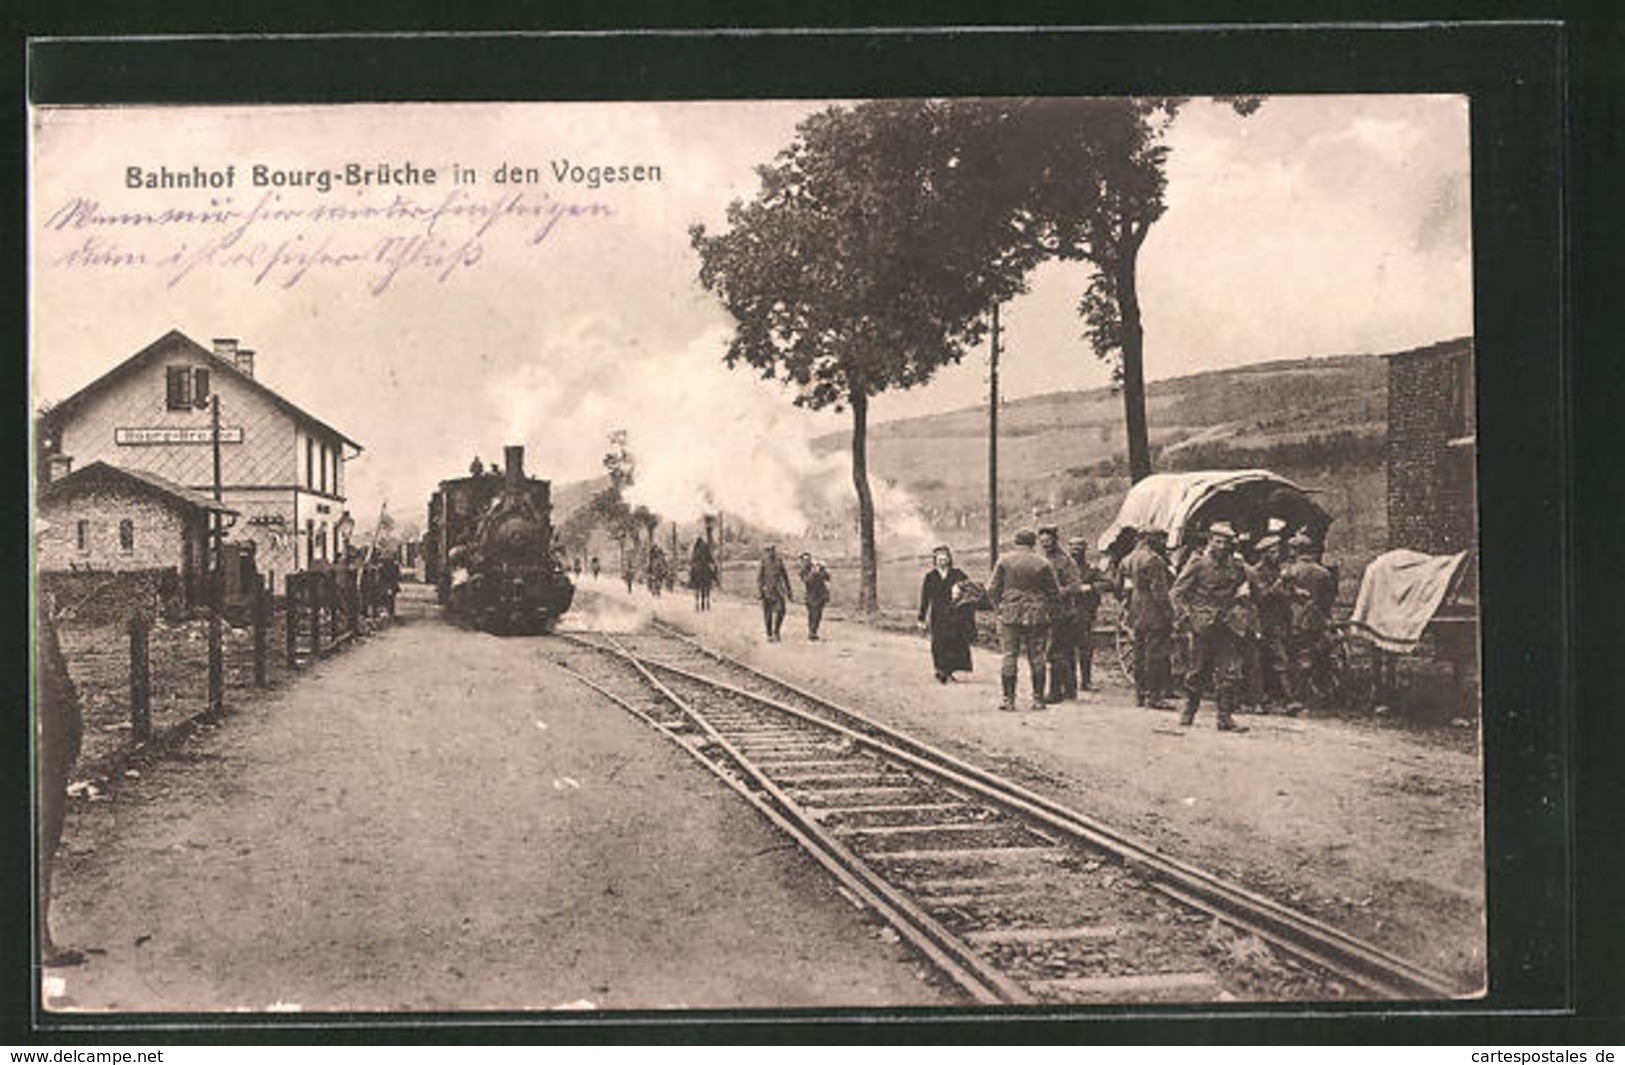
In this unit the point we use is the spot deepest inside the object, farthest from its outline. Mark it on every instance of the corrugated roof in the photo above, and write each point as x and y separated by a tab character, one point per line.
106	470
66	407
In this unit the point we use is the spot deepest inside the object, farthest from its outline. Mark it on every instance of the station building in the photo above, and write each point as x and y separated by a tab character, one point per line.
102	517
281	471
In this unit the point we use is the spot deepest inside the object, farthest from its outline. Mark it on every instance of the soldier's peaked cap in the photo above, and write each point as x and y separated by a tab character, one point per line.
1301	541
1154	534
1026	538
1049	530
1222	528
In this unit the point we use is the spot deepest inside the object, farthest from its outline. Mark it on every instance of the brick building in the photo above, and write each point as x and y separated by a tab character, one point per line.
103	518
1432	448
282	469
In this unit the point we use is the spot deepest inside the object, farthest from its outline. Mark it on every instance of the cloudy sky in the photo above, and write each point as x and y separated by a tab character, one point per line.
434	322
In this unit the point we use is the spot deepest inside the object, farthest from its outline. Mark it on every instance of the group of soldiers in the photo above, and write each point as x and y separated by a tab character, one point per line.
1046	598
1254	631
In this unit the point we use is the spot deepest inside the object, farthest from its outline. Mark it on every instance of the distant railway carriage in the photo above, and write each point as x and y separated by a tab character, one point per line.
489	550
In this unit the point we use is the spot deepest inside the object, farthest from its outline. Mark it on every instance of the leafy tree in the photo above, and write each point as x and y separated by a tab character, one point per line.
866	261
1095	173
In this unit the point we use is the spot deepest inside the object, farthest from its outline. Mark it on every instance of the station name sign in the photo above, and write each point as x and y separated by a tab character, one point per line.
233	435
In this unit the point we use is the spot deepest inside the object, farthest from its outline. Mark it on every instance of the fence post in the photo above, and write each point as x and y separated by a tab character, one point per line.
352	600
313	592
290	603
140	681
262	624
217	662
331	594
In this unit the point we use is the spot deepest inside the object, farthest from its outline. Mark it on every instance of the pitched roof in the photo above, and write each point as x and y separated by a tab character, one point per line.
66	407
103	471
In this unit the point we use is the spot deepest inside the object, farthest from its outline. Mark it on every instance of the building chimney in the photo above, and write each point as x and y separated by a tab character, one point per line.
59	466
245	361
226	348
513	467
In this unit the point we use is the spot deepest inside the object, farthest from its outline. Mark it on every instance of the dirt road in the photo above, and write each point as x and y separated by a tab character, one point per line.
439	820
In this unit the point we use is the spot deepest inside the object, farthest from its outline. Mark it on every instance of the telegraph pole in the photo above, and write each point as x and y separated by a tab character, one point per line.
993	446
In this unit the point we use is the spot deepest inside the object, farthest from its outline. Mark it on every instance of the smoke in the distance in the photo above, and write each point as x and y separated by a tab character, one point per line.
703	437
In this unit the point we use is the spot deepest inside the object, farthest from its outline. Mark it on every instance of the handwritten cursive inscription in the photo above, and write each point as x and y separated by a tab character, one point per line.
381	235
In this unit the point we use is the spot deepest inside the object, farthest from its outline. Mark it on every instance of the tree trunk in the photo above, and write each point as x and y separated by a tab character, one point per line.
868	599
1128	305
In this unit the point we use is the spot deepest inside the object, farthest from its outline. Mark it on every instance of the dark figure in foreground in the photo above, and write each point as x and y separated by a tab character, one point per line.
702	573
815	590
1063	638
951	622
1148	579
594	566
773	589
1025	592
1204	600
629	573
1091	582
60	730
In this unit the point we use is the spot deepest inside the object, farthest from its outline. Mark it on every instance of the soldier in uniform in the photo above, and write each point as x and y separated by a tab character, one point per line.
1267	588
1204	598
1025	592
1313	592
1091	582
1151	617
1063	632
773	589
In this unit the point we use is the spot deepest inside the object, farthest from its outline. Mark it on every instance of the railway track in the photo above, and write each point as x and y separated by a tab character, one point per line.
1013	897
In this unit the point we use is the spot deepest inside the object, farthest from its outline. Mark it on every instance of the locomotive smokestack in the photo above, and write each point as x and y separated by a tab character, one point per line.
513	467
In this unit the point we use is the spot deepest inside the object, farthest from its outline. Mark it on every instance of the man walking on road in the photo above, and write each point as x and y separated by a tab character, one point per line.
1204	597
815	589
1025	592
773	588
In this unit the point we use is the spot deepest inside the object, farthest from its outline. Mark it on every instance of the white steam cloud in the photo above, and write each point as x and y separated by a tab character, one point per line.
703	437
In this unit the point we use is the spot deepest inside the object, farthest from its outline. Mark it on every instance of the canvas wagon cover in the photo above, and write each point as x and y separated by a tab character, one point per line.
1167	501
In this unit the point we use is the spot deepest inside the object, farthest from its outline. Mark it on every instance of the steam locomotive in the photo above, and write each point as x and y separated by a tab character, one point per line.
489	550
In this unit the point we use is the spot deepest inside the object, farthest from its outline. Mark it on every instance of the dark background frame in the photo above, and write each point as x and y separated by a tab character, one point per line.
1554	926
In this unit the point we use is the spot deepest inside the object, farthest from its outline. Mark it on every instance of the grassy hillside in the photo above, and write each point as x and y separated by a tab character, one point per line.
1320	422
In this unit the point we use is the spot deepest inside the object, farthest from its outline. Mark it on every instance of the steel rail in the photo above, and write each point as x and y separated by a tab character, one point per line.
1363	963
952	955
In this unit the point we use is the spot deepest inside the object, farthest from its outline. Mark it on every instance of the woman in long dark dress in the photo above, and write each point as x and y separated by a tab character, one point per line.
949	623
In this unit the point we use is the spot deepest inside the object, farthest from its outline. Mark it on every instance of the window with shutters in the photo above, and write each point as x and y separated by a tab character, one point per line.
186	387
126	536
83	536
310	462
178	387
